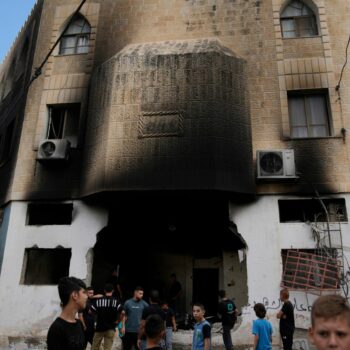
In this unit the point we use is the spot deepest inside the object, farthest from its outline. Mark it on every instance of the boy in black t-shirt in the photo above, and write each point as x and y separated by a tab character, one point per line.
66	332
286	316
228	312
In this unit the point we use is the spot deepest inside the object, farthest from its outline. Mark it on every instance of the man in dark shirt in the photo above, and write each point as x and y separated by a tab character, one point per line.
228	312
153	309
175	291
107	317
286	316
66	332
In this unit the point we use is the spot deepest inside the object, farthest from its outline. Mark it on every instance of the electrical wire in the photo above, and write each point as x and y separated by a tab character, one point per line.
345	63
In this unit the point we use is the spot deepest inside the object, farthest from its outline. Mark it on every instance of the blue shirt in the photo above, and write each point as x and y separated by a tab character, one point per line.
199	334
263	329
133	311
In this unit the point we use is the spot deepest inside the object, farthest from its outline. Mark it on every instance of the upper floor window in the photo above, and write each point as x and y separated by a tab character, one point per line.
76	38
64	123
298	20
308	114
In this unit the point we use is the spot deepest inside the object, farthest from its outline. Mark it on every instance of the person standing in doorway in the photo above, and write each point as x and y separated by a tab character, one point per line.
66	332
114	280
133	309
175	292
286	317
228	313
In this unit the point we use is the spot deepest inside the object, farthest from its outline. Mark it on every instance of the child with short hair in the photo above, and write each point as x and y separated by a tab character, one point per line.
202	329
330	323
262	329
154	330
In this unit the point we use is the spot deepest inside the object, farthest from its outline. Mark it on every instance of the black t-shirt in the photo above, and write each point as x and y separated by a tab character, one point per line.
227	310
153	309
65	335
169	314
206	331
89	315
107	311
287	324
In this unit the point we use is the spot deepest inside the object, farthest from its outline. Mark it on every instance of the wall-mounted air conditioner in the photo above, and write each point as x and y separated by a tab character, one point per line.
275	164
53	150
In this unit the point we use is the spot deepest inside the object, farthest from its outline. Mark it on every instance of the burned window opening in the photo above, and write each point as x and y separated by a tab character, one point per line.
49	213
310	210
45	266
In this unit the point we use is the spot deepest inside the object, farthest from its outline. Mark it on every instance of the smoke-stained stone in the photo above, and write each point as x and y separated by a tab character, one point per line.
172	115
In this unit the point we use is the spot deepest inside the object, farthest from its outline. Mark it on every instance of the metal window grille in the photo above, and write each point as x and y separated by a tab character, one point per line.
306	270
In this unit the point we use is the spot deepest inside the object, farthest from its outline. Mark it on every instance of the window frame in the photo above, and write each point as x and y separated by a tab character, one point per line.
307	94
296	23
45	278
73	109
76	36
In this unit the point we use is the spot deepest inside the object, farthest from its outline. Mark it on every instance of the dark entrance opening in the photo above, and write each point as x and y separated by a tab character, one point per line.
205	289
150	237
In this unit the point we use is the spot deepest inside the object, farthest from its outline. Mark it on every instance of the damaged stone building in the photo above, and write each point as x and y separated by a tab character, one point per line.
206	138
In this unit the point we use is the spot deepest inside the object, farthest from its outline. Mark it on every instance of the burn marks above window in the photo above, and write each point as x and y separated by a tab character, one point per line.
158	124
45	266
303	210
49	213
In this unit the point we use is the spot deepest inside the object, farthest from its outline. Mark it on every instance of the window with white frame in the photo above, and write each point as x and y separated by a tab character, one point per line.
298	20
64	123
76	38
308	114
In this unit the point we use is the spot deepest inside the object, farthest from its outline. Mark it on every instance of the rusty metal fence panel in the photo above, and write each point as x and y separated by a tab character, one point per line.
306	270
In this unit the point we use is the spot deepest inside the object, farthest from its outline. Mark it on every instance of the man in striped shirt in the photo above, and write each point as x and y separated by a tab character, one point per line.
107	311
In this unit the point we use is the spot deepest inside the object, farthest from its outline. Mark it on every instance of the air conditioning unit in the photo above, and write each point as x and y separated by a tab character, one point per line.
53	150
275	164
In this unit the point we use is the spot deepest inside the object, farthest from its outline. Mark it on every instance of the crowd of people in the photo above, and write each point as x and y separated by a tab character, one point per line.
146	326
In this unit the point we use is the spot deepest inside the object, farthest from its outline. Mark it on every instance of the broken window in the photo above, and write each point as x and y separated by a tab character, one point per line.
76	38
298	20
45	266
310	269
304	210
49	213
64	123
